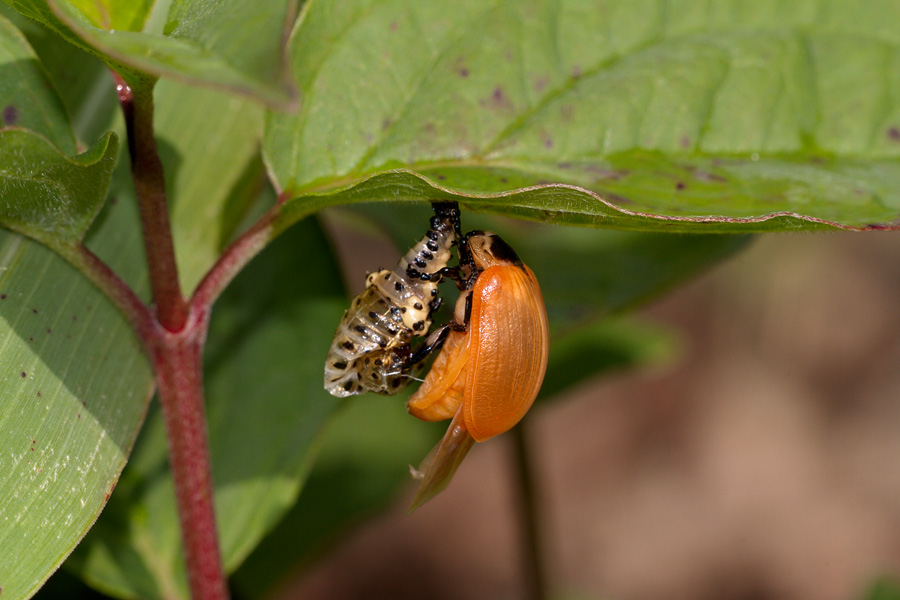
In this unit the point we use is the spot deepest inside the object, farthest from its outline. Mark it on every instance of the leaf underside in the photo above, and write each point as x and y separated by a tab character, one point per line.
669	116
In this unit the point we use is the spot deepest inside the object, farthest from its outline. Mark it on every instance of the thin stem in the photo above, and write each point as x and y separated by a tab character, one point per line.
178	362
234	258
533	560
112	286
150	187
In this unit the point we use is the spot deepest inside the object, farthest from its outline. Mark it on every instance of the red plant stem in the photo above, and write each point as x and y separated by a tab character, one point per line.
234	258
178	362
174	340
150	187
106	280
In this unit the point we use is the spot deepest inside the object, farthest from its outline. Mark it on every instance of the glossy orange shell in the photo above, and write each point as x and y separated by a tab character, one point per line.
494	370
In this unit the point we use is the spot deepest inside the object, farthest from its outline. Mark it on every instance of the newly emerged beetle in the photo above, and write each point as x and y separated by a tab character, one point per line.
493	361
371	349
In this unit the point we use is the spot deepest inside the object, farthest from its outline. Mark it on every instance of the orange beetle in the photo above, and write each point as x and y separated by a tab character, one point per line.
493	360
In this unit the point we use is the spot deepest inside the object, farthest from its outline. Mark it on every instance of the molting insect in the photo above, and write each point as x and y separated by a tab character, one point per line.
493	360
371	349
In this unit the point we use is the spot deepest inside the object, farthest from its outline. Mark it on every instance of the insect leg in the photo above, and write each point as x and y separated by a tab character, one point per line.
433	342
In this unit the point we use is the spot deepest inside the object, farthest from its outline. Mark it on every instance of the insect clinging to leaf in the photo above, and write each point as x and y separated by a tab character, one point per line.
493	353
493	362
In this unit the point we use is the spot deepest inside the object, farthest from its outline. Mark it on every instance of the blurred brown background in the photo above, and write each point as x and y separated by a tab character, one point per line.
763	464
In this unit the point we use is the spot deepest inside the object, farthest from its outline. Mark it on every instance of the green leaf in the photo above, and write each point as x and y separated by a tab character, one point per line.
27	99
885	588
209	145
268	338
85	84
47	195
76	390
672	116
236	46
362	464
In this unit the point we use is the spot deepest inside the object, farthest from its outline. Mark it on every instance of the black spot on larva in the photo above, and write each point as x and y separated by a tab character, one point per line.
395	383
398	286
378	362
421	263
419	325
376	376
387	276
392	330
382	344
10	115
417	306
427	255
395	311
348	346
359	329
373	314
348	386
432	235
339	365
403	309
432	245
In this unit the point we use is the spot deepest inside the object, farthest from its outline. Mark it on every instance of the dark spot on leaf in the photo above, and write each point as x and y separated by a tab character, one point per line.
540	84
564	165
106	497
394	25
2	296
441	177
24	374
10	115
78	415
680	185
504	180
893	133
31	339
49	330
707	176
463	72
548	142
576	71
34	310
386	124
685	141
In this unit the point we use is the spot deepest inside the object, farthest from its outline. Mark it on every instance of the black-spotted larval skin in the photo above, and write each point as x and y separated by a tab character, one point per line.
372	343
